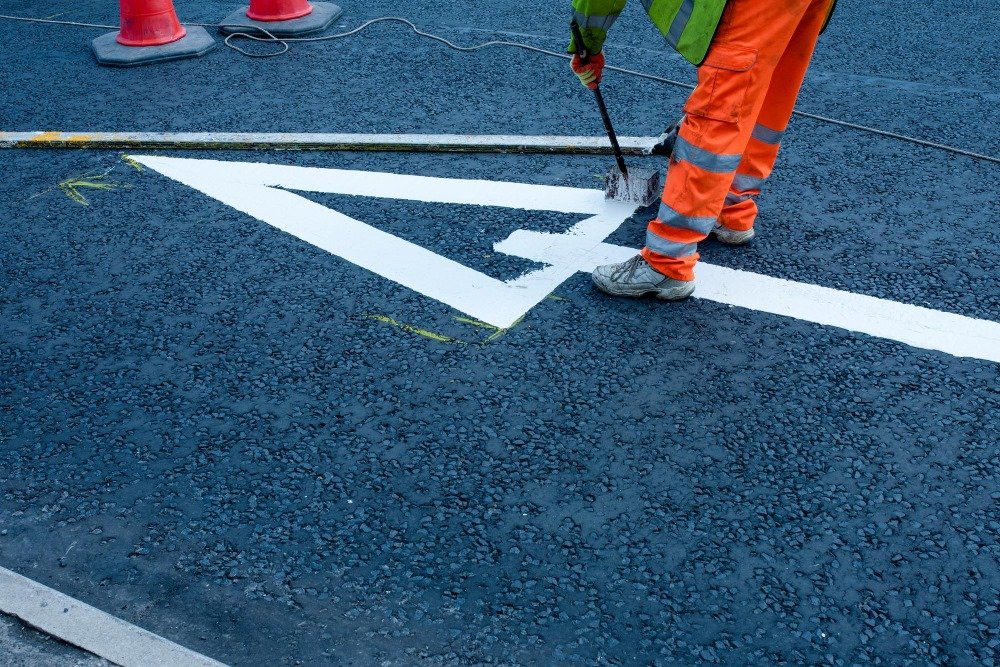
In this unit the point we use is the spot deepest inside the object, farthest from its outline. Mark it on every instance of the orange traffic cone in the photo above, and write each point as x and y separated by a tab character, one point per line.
282	18
150	33
278	10
149	23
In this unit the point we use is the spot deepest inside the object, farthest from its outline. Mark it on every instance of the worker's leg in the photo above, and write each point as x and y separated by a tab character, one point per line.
720	116
761	153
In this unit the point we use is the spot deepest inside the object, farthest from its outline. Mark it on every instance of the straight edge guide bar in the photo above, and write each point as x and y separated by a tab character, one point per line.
430	143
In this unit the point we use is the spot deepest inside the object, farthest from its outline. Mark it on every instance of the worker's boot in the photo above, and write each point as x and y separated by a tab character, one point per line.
637	278
732	236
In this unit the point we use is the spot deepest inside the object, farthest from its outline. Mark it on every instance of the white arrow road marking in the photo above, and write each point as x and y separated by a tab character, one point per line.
253	189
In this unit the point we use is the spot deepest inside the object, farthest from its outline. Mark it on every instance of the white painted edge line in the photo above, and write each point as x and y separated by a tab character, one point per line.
906	323
89	628
235	139
920	327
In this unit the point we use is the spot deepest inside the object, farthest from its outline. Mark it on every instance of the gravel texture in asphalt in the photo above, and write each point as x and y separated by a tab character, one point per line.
252	465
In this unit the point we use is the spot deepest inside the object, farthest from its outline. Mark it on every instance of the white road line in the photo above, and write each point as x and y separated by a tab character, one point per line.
91	629
265	191
920	327
319	141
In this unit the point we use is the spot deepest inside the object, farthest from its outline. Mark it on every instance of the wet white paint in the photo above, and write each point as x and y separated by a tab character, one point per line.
920	327
253	189
262	191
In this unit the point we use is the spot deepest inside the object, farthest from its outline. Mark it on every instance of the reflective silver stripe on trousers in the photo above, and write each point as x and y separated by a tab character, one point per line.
744	183
672	218
767	135
646	4
733	199
662	246
707	160
680	22
602	22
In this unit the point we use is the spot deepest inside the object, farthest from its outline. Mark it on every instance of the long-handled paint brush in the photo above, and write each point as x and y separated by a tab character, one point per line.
639	186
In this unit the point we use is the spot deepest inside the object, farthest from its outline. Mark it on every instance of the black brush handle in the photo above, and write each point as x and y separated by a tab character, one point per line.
581	50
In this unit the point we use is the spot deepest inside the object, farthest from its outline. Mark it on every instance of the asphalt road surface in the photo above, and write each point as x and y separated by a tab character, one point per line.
258	450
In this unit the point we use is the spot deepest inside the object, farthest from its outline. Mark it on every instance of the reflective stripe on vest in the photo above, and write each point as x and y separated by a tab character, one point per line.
662	246
687	25
672	218
719	163
599	22
680	23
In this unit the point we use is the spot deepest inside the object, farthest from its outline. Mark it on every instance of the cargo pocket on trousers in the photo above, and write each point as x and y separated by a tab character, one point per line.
723	81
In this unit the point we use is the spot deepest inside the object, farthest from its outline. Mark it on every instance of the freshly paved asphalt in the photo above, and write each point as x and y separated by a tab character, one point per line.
205	433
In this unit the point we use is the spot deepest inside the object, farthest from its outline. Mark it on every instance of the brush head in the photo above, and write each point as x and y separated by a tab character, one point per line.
640	186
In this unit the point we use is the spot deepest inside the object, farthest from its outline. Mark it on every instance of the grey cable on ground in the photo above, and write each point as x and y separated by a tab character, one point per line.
286	41
28	19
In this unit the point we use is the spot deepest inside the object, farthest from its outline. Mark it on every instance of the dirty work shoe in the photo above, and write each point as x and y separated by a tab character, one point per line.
733	236
637	278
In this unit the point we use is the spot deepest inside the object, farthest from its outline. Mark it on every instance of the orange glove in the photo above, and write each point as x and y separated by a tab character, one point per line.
591	73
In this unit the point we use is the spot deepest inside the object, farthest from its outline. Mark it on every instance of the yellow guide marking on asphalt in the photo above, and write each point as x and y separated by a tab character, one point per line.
500	332
71	187
132	163
409	328
476	323
497	331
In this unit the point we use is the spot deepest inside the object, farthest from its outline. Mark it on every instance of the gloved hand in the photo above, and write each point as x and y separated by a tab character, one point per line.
591	73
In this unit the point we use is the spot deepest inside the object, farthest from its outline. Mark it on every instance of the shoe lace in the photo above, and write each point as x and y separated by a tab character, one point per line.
628	269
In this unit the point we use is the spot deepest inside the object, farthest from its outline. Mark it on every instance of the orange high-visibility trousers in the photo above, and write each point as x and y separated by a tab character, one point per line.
734	120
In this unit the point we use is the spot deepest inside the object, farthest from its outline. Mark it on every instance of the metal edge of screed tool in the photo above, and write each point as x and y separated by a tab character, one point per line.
639	185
